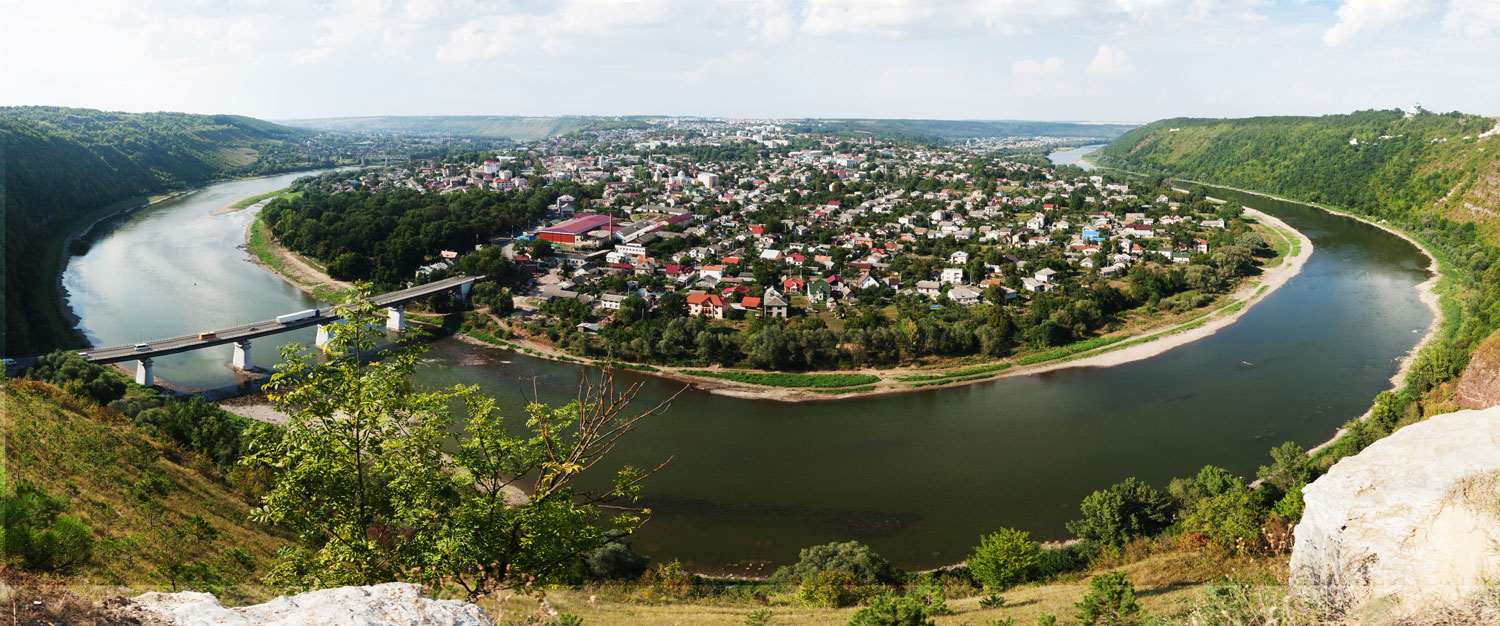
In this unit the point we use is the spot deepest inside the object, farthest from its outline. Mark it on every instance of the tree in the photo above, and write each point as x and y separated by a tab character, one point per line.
1004	559
1126	510
540	248
1110	601
852	557
380	484
1289	468
78	377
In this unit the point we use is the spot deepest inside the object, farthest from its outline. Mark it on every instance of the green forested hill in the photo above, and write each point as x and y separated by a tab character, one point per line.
1396	168
63	166
1436	177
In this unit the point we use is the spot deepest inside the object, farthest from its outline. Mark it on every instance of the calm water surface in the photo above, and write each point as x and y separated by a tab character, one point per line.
1074	156
919	476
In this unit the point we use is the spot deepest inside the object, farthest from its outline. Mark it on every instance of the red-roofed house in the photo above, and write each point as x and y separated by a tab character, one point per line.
706	305
793	285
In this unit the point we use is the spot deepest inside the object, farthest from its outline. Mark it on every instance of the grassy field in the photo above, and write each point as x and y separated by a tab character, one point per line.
782	379
1166	585
265	196
128	487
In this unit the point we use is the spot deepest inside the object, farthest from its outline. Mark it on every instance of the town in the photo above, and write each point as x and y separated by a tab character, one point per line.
745	221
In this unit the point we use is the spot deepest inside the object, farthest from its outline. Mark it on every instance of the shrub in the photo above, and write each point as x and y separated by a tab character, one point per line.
36	534
852	557
1004	559
892	610
1126	510
1110	601
78	377
671	580
616	561
1071	558
833	590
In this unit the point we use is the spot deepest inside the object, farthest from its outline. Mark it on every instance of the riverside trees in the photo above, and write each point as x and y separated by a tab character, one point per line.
380	483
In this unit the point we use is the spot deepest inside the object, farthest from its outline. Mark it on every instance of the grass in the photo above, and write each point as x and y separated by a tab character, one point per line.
265	196
859	389
1166	584
629	366
966	374
261	244
96	458
784	379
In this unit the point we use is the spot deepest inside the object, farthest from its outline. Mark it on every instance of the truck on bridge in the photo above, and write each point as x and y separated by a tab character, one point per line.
299	315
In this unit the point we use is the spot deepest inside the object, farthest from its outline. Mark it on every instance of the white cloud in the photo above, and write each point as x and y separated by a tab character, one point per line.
1110	61
1472	18
1357	15
1029	67
484	37
887	18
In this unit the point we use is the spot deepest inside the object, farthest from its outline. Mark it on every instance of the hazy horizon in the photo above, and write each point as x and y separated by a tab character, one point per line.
1062	60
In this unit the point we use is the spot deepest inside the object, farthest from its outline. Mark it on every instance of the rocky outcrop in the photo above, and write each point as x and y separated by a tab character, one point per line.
1412	521
390	604
1479	386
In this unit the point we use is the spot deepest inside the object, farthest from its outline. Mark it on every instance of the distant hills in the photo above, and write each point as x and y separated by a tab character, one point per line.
535	128
65	167
503	126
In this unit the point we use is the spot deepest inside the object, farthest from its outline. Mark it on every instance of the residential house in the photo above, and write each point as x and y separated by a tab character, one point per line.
706	305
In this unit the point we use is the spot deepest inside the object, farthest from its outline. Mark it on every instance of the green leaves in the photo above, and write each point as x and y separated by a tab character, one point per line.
383	483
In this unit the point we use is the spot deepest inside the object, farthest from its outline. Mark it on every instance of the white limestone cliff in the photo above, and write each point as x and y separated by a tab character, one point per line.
1412	521
389	604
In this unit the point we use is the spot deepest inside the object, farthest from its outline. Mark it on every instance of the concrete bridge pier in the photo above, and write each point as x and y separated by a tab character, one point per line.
143	375
321	342
396	318
242	355
463	290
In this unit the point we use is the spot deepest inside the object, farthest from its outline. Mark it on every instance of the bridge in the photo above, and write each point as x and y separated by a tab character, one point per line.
241	335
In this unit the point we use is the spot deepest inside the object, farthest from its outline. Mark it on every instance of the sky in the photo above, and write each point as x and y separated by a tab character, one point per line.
1099	60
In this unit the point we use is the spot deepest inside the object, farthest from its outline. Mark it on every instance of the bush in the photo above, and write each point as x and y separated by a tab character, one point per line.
1071	558
78	377
892	610
833	590
616	561
852	557
1004	559
36	534
671	580
1110	601
1126	510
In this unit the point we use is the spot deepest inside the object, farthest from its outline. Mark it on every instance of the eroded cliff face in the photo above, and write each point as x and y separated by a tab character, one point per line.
389	604
1479	386
1411	522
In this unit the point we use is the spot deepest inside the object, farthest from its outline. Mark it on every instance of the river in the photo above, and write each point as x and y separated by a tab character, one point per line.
1074	156
919	476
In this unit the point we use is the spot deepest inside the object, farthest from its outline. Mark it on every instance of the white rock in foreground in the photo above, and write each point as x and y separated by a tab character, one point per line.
1411	521
389	604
